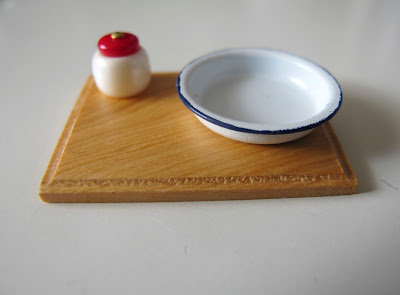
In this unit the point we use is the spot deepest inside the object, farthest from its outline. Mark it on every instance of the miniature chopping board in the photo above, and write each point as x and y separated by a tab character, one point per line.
151	148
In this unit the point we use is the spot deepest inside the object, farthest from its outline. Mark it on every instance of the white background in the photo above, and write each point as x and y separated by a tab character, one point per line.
331	245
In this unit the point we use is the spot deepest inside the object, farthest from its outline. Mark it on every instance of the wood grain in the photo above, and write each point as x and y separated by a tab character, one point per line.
151	148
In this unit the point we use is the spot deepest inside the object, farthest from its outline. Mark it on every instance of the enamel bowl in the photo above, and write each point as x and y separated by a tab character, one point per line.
259	95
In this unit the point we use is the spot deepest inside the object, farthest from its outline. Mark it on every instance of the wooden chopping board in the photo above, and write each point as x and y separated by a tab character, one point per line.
152	148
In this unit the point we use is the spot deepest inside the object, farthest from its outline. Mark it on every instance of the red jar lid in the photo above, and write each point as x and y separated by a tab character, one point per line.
118	44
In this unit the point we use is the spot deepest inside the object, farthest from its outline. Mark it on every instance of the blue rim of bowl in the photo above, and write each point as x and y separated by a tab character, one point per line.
246	130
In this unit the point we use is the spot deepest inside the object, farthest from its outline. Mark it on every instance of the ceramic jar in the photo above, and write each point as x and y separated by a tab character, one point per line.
120	66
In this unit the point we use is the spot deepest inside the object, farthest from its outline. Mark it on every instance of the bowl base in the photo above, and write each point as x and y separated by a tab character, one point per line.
254	137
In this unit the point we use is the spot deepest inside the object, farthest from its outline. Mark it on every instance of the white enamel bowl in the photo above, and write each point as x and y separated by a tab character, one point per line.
258	95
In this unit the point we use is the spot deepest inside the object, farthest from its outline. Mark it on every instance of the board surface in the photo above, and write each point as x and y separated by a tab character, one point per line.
152	148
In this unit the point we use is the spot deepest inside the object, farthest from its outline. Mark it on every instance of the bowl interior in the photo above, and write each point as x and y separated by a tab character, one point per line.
259	89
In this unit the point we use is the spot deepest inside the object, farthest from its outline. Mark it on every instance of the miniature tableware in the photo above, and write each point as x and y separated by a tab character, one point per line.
258	95
120	66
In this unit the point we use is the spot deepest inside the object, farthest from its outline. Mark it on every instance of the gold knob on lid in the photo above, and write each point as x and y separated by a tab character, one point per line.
117	35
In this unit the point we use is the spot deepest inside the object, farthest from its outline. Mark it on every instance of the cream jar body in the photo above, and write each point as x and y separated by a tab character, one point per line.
121	76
